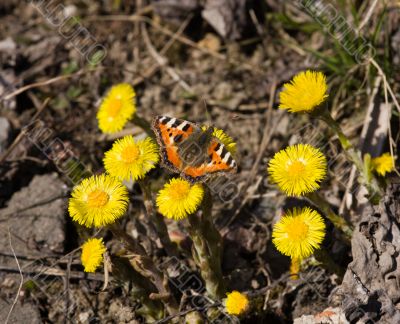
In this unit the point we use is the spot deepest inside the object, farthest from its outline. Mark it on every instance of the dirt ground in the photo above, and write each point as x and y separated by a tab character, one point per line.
220	63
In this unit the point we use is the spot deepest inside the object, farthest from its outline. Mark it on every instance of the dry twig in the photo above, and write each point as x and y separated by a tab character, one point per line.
23	132
21	282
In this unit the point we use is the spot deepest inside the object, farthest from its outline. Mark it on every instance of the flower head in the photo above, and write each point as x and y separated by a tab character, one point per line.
98	201
117	108
236	303
306	91
129	159
298	233
92	254
179	198
225	139
383	164
298	169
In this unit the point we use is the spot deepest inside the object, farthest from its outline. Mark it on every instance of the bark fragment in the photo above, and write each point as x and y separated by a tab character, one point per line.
370	290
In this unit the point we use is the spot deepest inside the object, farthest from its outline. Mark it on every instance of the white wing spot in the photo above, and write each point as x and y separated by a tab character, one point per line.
171	122
180	127
226	158
219	152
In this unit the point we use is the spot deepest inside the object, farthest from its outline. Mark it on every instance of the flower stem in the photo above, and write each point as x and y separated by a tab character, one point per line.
131	244
156	219
352	154
207	248
328	263
294	268
144	124
338	221
141	290
146	267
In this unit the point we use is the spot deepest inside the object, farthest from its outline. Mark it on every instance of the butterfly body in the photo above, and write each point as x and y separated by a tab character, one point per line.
189	150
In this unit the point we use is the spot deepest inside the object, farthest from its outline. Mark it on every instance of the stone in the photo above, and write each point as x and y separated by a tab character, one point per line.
32	227
22	313
36	217
227	17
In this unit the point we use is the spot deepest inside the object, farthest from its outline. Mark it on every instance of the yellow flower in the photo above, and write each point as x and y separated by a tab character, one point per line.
306	91
225	139
236	303
98	201
129	159
117	108
383	164
298	233
92	254
298	169
179	198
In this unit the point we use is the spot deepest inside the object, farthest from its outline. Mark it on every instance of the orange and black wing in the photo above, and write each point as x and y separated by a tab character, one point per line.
219	160
170	132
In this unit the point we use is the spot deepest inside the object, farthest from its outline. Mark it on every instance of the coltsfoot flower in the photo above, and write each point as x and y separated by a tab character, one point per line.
304	92
298	233
92	254
236	303
129	159
117	108
383	164
98	201
298	169
178	199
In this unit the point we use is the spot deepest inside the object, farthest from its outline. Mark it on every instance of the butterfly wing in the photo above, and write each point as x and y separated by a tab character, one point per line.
178	137
219	160
170	133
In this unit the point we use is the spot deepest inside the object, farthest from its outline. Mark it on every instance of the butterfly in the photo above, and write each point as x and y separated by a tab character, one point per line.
189	150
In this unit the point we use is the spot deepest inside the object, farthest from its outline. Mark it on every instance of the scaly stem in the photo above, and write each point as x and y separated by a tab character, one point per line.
156	219
146	267
328	263
207	248
352	154
141	290
339	222
294	268
144	124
